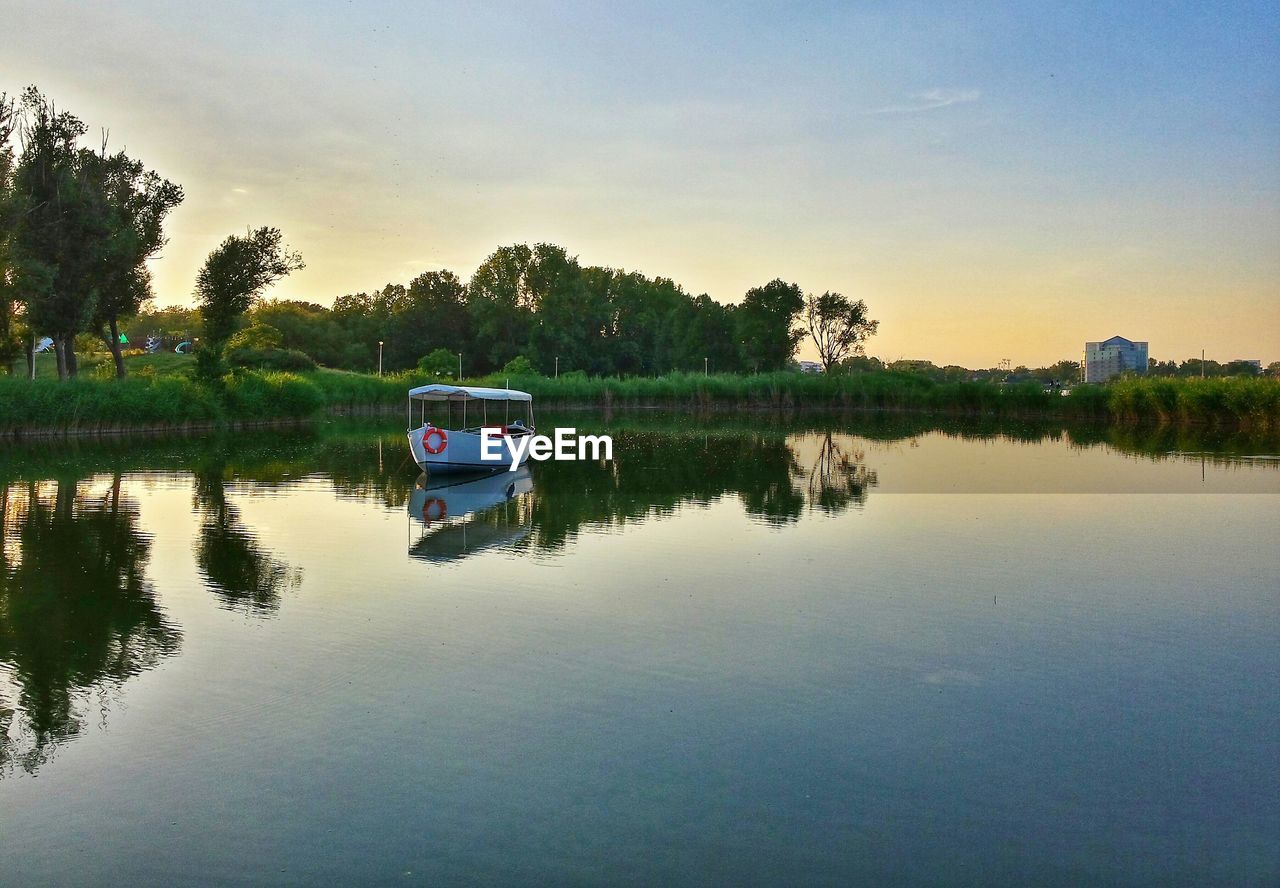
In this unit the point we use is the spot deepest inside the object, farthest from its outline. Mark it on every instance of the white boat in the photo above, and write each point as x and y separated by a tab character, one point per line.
436	448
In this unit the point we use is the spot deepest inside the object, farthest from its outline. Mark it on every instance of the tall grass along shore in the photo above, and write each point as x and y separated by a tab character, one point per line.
178	400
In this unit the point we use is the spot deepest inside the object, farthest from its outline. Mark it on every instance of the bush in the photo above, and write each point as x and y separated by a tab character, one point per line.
284	359
271	395
519	366
44	404
259	337
360	390
440	364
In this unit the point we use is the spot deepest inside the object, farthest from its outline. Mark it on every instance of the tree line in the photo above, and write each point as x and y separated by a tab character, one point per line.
79	224
537	308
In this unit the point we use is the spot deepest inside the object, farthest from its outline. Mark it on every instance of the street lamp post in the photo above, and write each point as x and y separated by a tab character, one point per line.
706	366
379	357
459	366
557	366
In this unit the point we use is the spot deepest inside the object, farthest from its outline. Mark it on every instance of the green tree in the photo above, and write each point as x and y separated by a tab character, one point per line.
838	326
137	200
862	364
767	331
570	316
233	277
432	314
708	338
63	231
1060	372
308	328
1193	367
501	303
10	304
440	364
650	322
257	335
354	315
1241	368
519	366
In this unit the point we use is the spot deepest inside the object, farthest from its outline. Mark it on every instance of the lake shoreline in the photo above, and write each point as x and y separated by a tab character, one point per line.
683	407
177	402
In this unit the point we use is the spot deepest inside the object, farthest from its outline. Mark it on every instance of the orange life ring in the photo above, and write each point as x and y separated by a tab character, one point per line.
442	510
431	433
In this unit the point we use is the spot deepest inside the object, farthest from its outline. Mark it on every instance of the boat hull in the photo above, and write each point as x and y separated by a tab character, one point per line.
461	451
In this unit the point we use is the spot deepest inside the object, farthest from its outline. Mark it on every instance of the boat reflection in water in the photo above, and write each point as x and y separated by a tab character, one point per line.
463	514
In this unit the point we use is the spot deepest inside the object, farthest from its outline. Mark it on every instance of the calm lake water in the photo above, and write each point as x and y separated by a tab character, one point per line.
750	650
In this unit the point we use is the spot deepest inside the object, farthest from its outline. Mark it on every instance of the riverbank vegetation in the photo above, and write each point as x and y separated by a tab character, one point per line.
1252	403
177	396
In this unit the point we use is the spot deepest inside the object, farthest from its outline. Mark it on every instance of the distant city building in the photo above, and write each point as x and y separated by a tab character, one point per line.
1255	364
810	367
1104	360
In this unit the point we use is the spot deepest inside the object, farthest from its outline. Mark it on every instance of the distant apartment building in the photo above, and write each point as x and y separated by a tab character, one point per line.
1111	357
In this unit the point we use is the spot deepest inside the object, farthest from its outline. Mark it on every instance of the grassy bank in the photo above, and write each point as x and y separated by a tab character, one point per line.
863	391
1237	402
176	399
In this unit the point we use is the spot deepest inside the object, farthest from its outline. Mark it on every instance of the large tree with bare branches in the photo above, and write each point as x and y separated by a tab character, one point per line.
838	326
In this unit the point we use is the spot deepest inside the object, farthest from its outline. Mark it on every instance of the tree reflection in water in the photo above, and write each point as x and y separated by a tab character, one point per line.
656	474
243	575
838	478
77	615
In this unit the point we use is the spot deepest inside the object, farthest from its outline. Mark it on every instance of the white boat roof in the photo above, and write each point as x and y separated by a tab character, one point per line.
441	392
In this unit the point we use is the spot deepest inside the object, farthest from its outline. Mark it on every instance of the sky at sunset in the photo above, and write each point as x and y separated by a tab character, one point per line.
996	181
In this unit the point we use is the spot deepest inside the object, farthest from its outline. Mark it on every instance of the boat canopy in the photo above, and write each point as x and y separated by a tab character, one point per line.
464	393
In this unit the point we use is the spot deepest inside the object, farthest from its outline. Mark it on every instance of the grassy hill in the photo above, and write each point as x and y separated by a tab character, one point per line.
97	363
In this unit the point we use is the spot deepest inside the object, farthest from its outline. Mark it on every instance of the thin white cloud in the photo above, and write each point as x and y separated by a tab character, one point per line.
930	100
